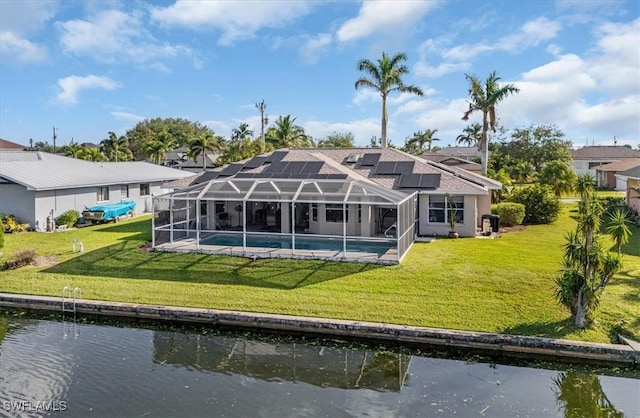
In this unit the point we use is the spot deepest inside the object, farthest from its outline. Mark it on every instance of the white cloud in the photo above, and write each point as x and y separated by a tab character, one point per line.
219	127
13	47
127	116
314	47
423	68
384	16
236	19
446	117
24	17
364	95
113	36
532	33
362	129
72	85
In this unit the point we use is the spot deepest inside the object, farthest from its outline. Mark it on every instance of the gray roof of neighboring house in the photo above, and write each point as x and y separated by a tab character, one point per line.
632	172
463	152
604	152
453	161
452	179
621	165
178	158
44	171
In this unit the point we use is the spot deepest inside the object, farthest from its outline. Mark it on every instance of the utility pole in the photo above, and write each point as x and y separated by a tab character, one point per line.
54	139
263	119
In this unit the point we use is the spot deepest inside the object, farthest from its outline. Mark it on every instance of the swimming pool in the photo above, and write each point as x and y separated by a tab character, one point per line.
302	243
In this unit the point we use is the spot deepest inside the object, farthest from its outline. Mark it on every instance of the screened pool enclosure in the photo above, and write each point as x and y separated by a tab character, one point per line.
288	218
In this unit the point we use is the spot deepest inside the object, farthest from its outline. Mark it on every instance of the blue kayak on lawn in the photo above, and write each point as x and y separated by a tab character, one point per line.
109	212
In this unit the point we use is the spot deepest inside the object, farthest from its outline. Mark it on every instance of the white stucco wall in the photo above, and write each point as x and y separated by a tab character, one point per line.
18	201
464	229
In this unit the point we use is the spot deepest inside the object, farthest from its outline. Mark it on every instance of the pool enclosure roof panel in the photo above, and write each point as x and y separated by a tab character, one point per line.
316	190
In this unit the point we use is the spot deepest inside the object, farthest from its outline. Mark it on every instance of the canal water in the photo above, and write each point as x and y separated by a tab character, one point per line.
54	367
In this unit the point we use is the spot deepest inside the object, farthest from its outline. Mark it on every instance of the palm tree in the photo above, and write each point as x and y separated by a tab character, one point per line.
618	228
115	147
93	154
471	135
386	77
241	132
160	145
485	98
559	175
285	134
420	138
74	150
200	145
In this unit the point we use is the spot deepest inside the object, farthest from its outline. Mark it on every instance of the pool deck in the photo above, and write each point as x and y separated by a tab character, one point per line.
499	344
189	246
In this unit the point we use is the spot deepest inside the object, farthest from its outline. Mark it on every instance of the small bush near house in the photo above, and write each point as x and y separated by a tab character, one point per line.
20	259
510	213
12	224
68	218
541	205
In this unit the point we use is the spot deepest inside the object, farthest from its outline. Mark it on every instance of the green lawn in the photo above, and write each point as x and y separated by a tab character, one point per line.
500	285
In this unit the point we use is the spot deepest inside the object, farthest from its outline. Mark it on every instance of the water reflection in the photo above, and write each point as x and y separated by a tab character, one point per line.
322	366
580	394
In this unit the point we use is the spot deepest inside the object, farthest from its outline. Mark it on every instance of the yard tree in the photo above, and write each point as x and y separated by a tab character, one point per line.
337	140
199	146
471	135
385	76
559	175
158	147
484	98
93	154
73	150
115	148
181	130
286	134
587	265
416	144
618	227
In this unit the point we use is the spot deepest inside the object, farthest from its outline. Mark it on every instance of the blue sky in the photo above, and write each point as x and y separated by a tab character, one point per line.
90	67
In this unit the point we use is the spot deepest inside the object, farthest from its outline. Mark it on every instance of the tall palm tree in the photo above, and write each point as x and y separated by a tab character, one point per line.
160	145
419	139
485	98
200	145
241	132
286	134
115	147
74	150
386	77
471	135
93	154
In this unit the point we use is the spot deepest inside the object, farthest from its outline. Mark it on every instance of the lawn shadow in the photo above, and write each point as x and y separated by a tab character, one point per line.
128	259
557	329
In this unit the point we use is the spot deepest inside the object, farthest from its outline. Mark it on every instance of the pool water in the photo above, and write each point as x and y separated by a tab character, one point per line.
302	243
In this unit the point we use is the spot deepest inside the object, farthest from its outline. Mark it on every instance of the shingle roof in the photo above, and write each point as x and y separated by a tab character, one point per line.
44	171
632	172
8	145
621	165
600	152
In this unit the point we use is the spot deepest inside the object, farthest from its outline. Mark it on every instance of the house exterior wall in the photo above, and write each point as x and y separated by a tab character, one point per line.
18	201
621	184
464	229
633	197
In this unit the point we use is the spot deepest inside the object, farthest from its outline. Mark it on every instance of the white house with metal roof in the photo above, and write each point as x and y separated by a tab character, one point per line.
37	185
343	203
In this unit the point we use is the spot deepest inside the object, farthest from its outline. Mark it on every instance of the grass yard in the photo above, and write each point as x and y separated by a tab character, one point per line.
501	285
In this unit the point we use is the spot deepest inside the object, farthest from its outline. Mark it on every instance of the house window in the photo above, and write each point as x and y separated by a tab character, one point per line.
145	189
124	191
334	213
359	214
438	204
597	163
103	194
314	212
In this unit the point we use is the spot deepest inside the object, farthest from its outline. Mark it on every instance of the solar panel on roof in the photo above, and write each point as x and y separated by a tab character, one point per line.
276	156
386	167
430	181
312	167
255	162
246	175
336	176
404	167
206	176
409	181
370	159
275	167
231	169
294	167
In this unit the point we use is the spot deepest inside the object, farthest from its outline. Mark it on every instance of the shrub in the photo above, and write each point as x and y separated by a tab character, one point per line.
21	258
510	213
68	218
540	204
13	225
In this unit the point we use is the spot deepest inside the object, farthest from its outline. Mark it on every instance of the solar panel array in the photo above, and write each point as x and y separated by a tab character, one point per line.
206	176
295	167
298	176
231	170
389	168
370	159
255	162
276	156
419	181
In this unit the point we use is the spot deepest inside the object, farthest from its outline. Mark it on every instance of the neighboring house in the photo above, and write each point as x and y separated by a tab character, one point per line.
466	153
606	174
452	161
362	200
8	145
36	185
177	158
586	159
632	180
